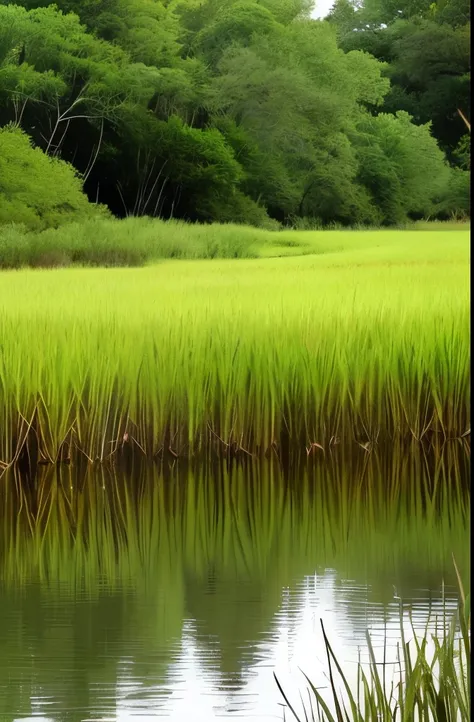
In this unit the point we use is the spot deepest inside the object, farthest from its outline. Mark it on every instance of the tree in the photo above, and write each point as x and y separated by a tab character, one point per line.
235	25
292	95
426	48
243	109
430	71
401	166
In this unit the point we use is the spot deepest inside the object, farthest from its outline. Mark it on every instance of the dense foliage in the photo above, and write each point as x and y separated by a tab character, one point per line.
426	49
36	189
242	111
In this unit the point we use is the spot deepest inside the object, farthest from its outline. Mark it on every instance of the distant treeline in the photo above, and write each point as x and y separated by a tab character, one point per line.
243	111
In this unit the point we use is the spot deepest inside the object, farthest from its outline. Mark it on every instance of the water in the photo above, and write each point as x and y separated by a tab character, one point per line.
177	594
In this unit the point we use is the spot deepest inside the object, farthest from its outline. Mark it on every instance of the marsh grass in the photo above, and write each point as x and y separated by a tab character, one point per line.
365	345
427	685
128	242
141	241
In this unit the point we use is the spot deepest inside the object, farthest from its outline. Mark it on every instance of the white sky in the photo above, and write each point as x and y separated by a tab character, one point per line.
321	8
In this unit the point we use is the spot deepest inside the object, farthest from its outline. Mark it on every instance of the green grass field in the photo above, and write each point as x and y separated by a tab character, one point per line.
364	338
142	241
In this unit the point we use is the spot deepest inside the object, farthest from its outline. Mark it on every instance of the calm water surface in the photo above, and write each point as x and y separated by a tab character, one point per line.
177	594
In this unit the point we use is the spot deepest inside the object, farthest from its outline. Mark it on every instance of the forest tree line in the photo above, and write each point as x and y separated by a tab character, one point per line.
243	111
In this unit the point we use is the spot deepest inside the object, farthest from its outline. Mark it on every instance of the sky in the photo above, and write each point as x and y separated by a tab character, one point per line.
321	8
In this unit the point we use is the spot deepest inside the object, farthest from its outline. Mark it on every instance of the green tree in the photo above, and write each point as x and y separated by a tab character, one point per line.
292	96
426	48
430	74
234	25
401	166
244	110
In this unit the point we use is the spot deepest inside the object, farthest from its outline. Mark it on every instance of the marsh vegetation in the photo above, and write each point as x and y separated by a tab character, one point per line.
144	241
365	341
234	359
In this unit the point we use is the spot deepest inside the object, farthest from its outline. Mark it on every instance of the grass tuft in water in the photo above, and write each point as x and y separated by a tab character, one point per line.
427	686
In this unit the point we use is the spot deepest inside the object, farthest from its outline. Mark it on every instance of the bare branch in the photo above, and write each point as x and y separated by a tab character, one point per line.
88	171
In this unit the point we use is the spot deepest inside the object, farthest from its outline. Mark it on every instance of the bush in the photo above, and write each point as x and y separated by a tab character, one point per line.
241	209
456	200
14	246
36	190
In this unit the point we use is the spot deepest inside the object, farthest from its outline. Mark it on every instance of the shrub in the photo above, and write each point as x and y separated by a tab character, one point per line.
36	190
456	200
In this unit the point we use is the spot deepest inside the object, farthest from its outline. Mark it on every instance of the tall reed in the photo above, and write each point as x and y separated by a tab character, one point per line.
363	344
429	686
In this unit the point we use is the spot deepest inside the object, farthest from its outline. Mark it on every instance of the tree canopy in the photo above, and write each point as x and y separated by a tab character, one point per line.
241	110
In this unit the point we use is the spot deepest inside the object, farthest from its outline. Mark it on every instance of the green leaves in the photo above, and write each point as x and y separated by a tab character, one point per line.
426	49
36	190
401	165
429	689
240	110
234	25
